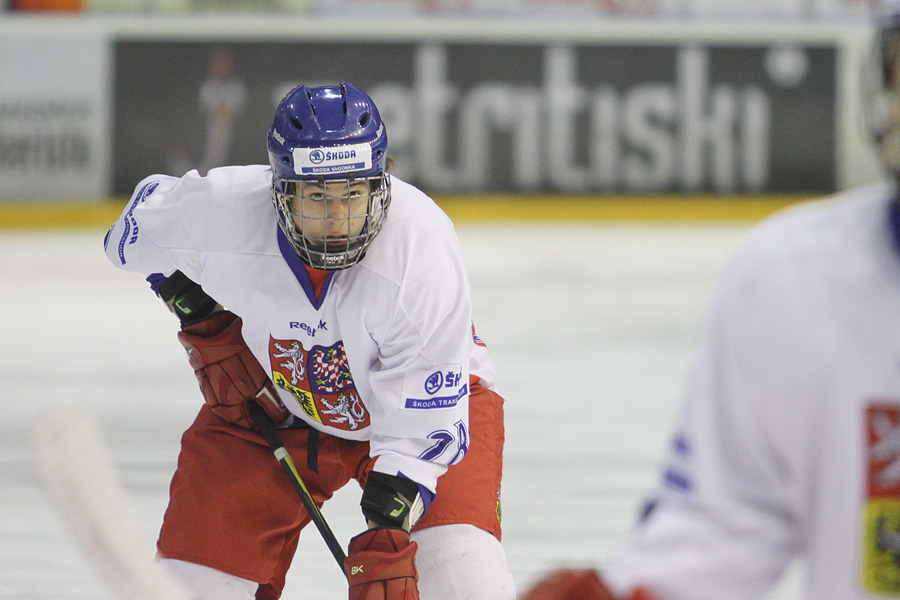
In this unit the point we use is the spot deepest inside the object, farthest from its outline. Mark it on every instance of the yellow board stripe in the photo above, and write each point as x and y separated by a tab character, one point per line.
58	215
26	215
606	209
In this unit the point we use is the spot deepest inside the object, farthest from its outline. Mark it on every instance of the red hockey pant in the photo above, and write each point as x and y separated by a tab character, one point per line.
232	507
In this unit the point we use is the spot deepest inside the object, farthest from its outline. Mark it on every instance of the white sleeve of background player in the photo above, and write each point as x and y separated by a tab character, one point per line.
421	419
725	521
140	240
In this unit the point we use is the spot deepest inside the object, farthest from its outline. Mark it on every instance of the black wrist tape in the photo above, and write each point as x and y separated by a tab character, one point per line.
186	299
390	501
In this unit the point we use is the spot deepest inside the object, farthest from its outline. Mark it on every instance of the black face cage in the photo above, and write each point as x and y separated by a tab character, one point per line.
345	248
881	98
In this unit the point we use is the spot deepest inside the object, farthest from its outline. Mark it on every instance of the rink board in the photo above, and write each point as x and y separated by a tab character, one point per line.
524	106
31	215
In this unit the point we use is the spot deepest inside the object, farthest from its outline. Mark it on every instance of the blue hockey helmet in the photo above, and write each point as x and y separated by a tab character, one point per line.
330	139
327	132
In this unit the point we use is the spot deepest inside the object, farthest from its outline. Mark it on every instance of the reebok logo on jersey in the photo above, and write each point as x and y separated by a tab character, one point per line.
309	329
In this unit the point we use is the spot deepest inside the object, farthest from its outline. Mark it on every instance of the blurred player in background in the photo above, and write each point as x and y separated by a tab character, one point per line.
789	442
349	319
221	99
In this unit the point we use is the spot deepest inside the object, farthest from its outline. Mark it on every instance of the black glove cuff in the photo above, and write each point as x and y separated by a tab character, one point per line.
391	502
187	299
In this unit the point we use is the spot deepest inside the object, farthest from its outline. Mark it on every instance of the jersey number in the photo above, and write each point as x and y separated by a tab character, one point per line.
444	440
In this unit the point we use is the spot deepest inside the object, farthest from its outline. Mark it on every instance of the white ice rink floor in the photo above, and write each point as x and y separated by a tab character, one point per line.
591	328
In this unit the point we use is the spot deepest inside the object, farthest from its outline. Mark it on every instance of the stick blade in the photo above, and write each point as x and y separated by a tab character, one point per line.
78	478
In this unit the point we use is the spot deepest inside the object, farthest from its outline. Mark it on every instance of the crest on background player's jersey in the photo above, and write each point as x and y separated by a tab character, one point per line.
881	535
320	380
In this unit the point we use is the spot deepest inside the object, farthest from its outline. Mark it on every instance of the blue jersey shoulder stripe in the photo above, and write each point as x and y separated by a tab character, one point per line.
129	233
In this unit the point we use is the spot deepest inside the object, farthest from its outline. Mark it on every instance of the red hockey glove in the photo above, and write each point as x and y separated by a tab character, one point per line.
228	373
381	565
572	584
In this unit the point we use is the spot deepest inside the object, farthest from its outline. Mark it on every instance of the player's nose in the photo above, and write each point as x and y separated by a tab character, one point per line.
338	208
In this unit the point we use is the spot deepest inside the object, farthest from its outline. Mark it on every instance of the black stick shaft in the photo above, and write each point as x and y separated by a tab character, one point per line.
267	428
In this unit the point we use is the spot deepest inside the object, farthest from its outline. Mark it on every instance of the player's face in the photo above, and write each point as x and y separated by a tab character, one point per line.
332	213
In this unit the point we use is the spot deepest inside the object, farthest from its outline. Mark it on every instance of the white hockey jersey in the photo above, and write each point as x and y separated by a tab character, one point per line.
386	352
789	441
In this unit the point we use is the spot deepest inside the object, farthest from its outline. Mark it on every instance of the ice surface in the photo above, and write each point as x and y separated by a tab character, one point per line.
591	328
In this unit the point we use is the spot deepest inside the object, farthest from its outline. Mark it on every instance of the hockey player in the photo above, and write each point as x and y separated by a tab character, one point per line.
336	296
789	442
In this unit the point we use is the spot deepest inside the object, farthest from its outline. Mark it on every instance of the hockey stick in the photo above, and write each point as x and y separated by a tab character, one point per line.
267	428
78	478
